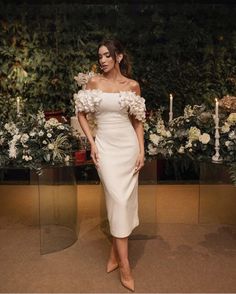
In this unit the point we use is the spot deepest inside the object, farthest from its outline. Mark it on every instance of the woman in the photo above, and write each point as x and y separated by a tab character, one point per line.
118	149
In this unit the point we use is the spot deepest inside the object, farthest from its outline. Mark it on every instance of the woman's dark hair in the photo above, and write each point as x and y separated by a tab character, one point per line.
115	47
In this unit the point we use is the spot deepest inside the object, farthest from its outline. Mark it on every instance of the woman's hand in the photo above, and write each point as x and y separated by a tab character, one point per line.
139	163
94	154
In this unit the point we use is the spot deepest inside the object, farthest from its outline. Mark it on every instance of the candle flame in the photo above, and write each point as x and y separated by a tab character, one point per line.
216	100
171	96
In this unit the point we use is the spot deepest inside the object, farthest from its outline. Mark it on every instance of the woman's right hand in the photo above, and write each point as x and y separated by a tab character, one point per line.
94	154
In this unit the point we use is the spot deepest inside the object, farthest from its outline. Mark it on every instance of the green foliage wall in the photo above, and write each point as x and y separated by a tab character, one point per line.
185	49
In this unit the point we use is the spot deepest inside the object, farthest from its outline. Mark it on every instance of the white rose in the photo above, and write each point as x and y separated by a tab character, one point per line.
225	128
204	138
194	134
41	133
49	135
155	139
232	118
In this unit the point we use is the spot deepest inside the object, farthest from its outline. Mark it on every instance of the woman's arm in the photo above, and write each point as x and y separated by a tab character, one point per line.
138	127
86	129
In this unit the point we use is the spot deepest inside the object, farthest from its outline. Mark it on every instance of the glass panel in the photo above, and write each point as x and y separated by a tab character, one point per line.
217	195
57	208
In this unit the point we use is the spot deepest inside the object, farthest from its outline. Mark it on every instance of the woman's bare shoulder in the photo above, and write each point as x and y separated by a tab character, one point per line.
93	82
134	86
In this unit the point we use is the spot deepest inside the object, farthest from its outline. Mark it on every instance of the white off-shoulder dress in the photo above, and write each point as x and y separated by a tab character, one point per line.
118	149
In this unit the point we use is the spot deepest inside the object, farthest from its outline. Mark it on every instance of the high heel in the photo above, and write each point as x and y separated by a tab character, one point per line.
111	266
127	283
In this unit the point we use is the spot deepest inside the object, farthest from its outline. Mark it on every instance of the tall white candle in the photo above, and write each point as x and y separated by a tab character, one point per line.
17	105
171	108
171	103
216	108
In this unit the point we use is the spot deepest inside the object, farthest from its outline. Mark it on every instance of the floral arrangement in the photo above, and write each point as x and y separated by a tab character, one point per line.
35	141
191	135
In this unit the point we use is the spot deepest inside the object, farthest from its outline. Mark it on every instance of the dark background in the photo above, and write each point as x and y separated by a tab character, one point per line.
187	48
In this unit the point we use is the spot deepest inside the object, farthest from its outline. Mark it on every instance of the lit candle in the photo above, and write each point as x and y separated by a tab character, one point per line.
217	108
171	108
18	105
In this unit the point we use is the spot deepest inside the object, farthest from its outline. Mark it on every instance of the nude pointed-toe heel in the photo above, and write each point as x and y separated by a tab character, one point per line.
112	266
127	283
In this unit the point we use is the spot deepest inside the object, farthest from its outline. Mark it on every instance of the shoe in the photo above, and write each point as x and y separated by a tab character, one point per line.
127	283
111	266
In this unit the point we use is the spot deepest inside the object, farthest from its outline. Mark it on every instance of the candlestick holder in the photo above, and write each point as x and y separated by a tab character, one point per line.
216	158
170	116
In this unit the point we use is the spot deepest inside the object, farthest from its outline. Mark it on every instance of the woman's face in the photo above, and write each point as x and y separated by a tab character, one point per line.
106	61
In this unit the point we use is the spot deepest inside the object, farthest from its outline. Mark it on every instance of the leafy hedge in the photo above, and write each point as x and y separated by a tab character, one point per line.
185	49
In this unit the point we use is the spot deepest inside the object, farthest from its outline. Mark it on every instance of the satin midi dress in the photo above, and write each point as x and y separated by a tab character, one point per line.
118	149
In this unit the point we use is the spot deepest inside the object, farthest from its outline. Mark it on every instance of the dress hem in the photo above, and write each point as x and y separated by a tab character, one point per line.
126	235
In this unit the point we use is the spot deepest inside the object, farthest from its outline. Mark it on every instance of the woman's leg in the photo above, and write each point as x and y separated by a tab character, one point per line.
113	260
125	271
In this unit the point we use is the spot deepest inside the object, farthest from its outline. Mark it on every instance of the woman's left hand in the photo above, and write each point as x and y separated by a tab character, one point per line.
139	163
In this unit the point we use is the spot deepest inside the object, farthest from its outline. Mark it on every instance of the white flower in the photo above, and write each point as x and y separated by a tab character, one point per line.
45	142
41	133
52	122
152	150
225	128
32	134
27	157
204	138
188	111
232	118
41	117
168	134
163	133
228	143
155	139
11	128
188	144
61	127
232	135
194	134
67	158
145	126
24	138
181	150
49	135
50	146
